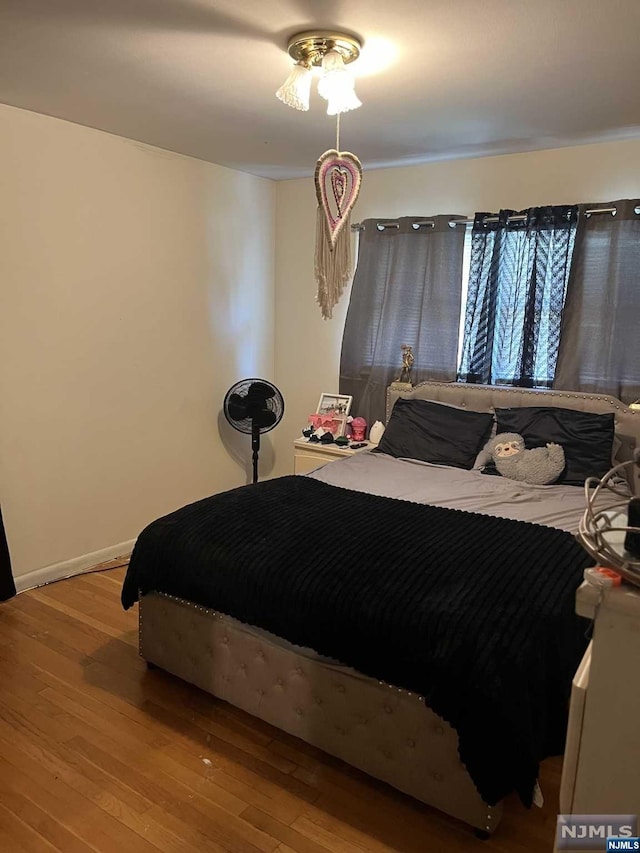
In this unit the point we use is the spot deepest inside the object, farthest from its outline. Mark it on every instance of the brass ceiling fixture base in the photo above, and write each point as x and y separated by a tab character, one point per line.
310	47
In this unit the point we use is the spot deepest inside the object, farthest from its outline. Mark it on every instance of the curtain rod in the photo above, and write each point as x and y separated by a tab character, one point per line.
519	217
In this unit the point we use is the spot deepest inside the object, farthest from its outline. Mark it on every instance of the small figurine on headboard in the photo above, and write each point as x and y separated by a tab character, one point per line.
407	363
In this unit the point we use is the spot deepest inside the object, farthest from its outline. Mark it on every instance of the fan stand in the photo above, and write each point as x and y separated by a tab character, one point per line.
253	406
255	447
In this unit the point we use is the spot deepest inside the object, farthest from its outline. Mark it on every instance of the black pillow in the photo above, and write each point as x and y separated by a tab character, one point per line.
429	432
587	438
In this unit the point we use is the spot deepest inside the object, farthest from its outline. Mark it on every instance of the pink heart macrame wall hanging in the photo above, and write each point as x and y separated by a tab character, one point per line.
337	177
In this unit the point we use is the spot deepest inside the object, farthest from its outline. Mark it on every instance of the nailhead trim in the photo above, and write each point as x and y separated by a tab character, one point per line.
495	389
218	615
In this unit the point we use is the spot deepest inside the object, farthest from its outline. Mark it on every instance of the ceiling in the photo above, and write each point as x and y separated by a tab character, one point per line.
438	78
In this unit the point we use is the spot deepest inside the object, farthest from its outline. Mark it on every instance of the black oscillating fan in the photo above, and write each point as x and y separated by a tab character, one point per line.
254	406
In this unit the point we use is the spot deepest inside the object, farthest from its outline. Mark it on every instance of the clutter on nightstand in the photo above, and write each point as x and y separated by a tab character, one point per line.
321	435
333	425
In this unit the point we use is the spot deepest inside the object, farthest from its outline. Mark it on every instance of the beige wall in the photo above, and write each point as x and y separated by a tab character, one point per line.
135	286
308	348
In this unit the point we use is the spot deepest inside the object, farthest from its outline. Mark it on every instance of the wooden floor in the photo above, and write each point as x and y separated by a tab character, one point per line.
98	753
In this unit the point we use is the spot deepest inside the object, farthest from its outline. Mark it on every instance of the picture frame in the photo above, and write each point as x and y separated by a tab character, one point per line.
329	423
340	404
338	426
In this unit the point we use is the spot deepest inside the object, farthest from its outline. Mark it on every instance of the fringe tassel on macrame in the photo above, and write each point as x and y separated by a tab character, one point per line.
332	266
337	178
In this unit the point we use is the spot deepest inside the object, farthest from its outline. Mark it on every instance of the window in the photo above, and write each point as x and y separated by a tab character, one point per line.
518	272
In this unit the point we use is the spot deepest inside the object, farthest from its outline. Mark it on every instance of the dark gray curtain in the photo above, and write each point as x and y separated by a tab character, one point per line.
517	283
7	586
600	343
406	290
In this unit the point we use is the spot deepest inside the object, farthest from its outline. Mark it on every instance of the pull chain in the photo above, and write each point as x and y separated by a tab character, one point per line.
338	132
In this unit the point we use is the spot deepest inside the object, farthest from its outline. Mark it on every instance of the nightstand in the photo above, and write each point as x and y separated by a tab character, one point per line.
600	772
307	455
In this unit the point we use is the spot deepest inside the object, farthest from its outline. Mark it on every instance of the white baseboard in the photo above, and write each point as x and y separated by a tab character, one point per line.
69	568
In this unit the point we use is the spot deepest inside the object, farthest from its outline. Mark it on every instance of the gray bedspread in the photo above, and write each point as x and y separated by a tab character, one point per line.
554	506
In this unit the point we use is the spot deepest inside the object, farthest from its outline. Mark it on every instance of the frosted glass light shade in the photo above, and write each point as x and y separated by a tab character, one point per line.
336	85
294	92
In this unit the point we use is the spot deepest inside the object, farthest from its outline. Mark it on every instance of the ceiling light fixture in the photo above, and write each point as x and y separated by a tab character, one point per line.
330	51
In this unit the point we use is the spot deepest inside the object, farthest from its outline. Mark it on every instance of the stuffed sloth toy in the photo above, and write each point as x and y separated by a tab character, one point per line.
539	466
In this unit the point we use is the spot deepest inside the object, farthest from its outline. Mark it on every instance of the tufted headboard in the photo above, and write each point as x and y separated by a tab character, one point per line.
486	398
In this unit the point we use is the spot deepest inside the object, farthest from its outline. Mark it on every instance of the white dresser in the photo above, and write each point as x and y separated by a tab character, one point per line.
601	769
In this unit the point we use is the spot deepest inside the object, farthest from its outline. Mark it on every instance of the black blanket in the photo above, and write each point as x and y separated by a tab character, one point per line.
472	612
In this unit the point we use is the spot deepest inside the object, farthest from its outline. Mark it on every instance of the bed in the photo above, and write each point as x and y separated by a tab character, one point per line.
367	705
